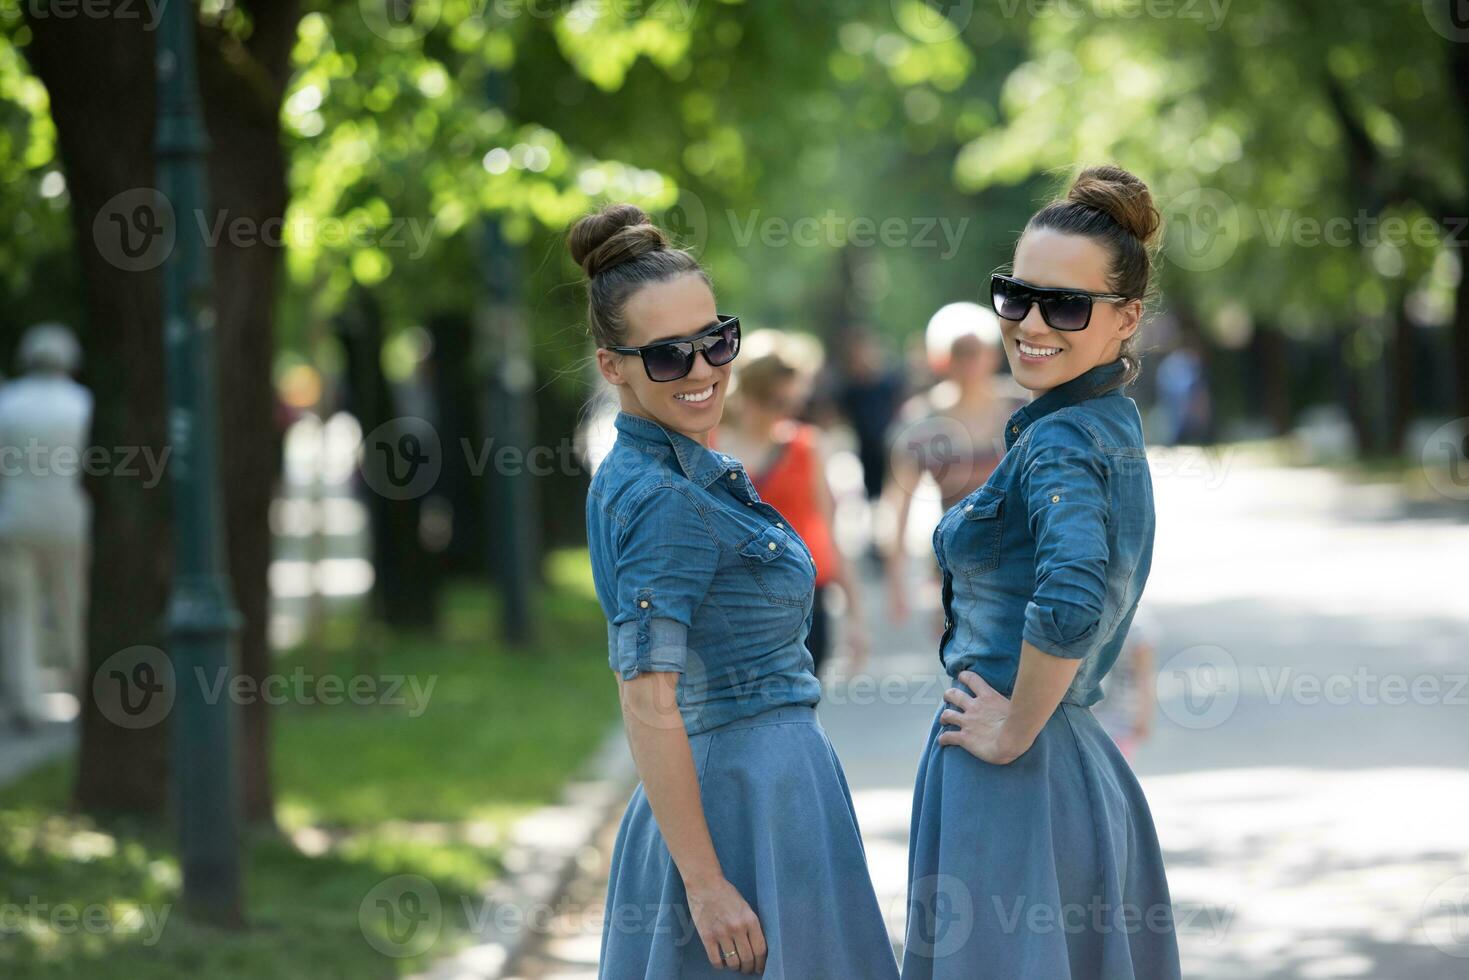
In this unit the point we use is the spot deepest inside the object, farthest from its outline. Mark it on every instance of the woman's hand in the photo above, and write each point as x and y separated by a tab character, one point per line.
980	720
727	925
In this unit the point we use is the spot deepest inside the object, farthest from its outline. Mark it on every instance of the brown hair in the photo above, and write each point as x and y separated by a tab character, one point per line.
1115	209
759	379
621	251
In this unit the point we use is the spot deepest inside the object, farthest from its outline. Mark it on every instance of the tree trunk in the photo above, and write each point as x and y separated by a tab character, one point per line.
104	120
242	88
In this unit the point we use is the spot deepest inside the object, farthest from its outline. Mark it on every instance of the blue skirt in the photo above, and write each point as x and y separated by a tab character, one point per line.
783	825
1048	867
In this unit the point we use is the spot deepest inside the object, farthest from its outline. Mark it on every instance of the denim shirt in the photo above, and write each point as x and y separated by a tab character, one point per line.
1055	548
699	577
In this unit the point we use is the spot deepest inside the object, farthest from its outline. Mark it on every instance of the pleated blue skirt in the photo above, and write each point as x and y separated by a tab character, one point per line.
781	817
1048	867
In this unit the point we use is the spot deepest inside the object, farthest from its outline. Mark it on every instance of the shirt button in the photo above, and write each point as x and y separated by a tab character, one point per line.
1015	429
1055	498
772	546
733	475
968	508
781	526
643	603
749	503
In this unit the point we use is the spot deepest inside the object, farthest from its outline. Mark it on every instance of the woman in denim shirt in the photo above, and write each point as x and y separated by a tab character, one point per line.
1031	851
740	849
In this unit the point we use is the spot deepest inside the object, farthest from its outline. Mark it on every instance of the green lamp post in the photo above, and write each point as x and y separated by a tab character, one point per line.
201	619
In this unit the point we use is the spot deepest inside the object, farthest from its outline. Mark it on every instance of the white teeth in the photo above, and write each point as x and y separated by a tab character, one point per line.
696	396
1037	351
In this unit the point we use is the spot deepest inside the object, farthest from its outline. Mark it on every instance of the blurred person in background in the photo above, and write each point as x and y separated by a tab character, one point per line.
45	519
742	826
1129	692
785	458
1183	395
868	394
954	433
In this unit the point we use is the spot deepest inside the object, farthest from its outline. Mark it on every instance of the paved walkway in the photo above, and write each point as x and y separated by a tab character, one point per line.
1309	771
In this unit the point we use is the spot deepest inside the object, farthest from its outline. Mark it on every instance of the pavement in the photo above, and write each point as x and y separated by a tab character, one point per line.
1309	766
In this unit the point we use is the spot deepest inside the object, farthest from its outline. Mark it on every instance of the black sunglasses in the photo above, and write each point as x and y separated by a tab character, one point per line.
669	360
1061	308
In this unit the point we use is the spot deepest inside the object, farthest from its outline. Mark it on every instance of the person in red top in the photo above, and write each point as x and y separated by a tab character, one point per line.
785	460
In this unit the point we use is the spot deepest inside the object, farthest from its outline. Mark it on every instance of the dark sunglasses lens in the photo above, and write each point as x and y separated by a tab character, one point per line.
723	346
1009	301
669	362
1067	312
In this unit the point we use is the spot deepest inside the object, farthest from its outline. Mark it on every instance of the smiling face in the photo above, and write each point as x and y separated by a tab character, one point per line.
674	308
1041	358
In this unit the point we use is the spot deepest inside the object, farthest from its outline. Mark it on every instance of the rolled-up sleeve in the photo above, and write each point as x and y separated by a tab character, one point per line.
1065	485
666	560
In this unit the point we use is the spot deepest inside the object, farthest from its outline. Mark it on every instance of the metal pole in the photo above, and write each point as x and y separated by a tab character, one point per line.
512	518
201	619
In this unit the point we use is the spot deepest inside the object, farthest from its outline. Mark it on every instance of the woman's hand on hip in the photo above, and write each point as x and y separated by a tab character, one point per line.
731	932
980	720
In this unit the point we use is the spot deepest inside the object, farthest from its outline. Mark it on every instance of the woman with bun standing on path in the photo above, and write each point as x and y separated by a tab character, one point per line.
739	851
1032	852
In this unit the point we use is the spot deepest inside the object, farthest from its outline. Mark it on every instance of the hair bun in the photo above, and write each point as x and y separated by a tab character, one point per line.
618	233
1120	194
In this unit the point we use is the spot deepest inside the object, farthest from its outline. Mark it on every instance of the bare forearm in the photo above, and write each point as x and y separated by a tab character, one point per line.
1039	687
660	748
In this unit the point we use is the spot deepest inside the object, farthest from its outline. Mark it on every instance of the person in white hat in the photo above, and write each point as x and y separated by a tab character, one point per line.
45	519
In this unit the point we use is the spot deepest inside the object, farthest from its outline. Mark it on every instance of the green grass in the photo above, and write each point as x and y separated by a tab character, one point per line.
365	792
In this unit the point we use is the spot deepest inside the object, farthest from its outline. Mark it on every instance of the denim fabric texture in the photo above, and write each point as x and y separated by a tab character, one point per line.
1048	866
1054	549
699	577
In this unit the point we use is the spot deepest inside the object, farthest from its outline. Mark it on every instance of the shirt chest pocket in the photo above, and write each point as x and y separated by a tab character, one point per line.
974	545
778	562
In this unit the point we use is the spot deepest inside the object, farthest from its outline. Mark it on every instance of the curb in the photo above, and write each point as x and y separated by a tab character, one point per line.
542	859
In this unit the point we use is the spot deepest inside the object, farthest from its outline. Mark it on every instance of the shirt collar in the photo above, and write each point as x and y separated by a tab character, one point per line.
1078	389
702	466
